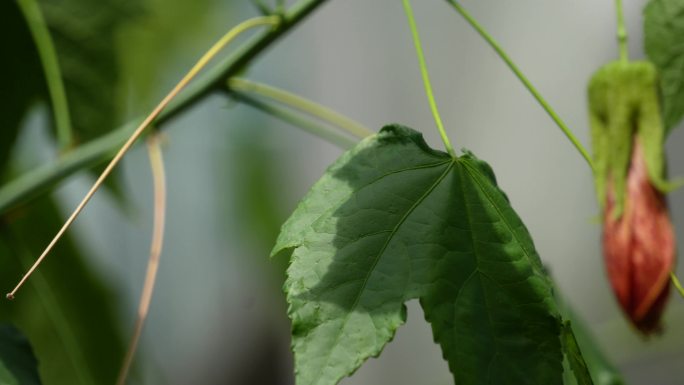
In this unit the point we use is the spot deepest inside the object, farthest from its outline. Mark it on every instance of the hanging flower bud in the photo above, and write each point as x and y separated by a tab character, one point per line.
638	239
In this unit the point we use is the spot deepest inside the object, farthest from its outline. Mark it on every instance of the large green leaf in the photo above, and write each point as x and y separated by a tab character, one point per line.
394	220
65	308
18	366
663	31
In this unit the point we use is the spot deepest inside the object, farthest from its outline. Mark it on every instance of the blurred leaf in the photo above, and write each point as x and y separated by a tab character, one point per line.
393	220
17	363
23	81
84	33
65	308
574	356
663	31
601	370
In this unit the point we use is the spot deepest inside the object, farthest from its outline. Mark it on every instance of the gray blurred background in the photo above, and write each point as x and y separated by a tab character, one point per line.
218	315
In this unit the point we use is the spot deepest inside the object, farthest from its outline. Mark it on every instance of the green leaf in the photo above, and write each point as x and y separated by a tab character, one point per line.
18	366
663	31
85	34
22	80
591	357
393	220
65	308
574	356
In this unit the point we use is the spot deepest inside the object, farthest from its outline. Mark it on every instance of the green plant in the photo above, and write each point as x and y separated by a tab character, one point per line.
390	221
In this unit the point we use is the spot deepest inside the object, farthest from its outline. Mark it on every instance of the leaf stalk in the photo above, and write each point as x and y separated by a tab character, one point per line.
426	78
297	102
509	62
621	32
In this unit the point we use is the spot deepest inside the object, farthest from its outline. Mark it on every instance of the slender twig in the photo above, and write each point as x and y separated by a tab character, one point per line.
203	61
297	120
621	32
676	283
96	152
547	107
53	74
426	78
159	179
291	100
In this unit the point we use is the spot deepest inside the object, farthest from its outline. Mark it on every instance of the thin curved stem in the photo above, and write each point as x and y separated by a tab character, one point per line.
426	78
53	74
159	179
621	32
545	105
294	101
297	120
676	283
96	152
201	63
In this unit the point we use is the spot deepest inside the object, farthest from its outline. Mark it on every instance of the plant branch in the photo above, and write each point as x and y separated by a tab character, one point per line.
621	32
298	120
201	63
159	181
97	151
53	75
502	54
426	78
297	102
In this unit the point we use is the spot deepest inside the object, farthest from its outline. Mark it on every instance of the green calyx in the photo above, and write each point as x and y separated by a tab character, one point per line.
624	106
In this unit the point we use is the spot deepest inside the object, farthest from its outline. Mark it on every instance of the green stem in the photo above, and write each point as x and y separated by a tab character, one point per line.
97	151
53	74
621	32
426	78
677	284
299	103
559	122
297	120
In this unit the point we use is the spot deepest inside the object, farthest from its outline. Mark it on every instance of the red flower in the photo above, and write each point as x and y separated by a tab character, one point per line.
639	246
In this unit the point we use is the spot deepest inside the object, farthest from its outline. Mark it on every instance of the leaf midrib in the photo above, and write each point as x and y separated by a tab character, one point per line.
381	252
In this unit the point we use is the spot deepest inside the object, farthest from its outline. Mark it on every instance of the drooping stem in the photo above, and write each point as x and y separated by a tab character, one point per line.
201	63
502	54
159	182
621	32
298	120
426	78
676	283
294	101
99	150
51	69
